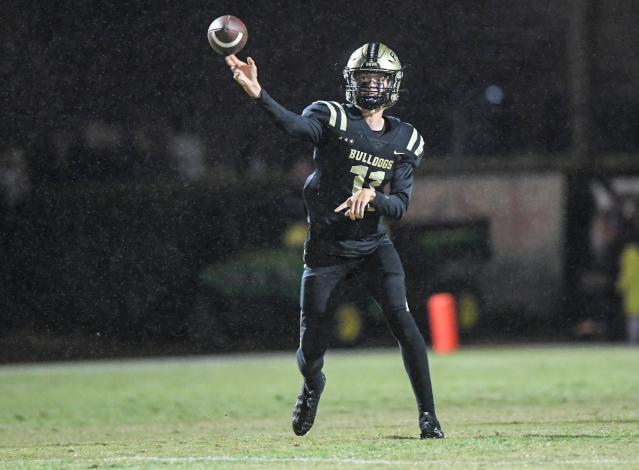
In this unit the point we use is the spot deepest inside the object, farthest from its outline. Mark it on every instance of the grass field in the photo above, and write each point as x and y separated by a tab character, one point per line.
550	407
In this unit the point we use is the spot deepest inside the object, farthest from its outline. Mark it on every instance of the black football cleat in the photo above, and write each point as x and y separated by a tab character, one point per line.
306	408
430	427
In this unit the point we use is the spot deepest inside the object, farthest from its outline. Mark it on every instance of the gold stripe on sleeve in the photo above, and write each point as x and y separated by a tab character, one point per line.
420	147
342	116
412	140
331	108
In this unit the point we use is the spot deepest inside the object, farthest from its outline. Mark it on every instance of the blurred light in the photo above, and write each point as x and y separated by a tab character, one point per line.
295	235
494	94
349	323
468	309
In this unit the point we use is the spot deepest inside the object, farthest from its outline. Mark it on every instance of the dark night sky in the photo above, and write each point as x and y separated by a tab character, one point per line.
149	61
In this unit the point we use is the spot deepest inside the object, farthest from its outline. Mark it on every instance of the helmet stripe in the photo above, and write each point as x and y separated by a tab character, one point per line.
371	53
333	119
412	140
342	116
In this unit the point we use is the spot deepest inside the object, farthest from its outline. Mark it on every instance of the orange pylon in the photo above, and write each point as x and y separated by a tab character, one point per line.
443	322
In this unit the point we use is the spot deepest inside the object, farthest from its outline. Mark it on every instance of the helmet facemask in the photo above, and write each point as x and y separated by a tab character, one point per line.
372	89
373	76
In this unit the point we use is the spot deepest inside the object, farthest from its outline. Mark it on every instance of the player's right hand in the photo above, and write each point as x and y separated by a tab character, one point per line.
245	73
357	204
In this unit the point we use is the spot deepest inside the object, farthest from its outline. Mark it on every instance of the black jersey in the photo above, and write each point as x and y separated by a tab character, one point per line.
349	156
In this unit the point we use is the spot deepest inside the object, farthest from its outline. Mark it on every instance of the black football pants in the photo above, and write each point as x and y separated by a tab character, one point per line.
384	268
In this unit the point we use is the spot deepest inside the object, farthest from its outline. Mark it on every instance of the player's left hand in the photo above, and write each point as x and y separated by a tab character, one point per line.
356	204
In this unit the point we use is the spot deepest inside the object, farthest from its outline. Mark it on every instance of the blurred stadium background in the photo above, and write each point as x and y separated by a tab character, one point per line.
146	208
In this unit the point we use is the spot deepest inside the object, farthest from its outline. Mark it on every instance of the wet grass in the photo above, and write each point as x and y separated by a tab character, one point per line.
559	407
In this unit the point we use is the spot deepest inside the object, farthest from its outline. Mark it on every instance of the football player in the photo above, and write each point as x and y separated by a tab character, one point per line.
364	164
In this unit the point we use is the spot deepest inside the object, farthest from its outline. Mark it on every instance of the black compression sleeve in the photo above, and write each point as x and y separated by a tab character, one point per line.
301	127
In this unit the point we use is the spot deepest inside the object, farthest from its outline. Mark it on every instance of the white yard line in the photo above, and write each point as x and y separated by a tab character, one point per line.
336	461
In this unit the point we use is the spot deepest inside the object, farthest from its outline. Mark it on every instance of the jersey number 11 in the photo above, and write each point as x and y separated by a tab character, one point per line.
361	171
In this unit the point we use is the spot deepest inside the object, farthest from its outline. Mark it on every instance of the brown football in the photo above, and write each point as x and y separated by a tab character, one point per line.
227	35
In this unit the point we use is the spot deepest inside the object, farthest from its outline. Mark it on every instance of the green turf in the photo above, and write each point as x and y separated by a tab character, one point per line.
556	407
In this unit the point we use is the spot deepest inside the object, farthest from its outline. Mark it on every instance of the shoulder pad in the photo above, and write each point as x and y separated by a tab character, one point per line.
331	113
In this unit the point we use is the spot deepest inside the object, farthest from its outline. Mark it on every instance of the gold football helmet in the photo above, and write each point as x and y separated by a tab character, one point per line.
373	76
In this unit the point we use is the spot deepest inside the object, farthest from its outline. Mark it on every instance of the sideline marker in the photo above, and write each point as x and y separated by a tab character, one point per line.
443	322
